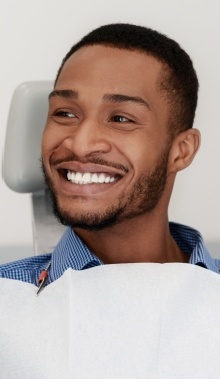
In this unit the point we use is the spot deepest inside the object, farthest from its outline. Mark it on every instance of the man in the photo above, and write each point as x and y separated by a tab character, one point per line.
119	129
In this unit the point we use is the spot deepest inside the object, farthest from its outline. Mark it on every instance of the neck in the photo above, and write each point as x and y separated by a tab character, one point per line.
144	239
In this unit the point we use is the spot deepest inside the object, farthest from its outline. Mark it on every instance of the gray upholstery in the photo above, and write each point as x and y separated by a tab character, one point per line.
21	161
27	116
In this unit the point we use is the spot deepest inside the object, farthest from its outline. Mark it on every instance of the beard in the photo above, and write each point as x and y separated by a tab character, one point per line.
144	197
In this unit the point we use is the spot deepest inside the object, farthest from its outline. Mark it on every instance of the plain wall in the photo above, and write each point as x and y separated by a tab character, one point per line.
36	34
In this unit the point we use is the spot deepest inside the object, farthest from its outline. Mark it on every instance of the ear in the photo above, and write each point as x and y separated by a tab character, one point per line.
183	150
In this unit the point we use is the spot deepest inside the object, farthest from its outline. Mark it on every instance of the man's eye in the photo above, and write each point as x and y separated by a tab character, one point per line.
65	114
120	119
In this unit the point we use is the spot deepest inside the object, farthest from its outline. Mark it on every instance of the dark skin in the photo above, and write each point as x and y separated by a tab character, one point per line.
128	135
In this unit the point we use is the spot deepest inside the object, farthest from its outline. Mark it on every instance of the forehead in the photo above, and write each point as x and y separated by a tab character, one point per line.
111	68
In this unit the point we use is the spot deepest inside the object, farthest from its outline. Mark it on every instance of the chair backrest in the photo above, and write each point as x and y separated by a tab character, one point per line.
21	161
27	117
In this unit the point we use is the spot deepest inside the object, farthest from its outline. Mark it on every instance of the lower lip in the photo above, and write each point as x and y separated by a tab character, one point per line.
73	189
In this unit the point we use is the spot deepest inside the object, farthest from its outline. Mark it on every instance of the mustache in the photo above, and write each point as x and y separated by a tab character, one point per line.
94	160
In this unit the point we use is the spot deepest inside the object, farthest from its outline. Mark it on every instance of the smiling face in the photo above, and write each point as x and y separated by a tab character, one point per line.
105	146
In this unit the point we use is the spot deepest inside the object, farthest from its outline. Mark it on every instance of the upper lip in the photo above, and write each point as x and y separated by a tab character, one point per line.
88	167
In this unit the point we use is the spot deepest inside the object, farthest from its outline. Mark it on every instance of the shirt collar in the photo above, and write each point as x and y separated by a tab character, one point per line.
191	242
72	252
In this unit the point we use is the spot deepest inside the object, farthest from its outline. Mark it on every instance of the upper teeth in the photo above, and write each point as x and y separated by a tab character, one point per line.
88	178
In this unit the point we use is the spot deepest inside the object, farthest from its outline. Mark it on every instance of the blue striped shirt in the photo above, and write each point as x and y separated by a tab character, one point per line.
72	252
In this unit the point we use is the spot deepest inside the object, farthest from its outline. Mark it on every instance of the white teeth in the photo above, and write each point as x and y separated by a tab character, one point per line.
102	178
69	175
86	177
107	179
78	176
94	178
89	178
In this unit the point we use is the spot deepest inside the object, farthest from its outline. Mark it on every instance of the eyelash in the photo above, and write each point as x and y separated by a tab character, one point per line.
122	117
64	114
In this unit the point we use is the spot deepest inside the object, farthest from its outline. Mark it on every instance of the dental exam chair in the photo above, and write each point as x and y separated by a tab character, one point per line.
21	162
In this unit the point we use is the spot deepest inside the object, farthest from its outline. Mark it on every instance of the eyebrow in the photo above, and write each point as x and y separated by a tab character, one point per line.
113	98
119	98
66	93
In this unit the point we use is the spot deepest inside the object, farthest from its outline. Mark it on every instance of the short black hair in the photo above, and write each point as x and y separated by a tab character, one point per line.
178	82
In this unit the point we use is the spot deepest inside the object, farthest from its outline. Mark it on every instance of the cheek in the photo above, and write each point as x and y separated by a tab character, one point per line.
51	139
141	153
144	154
48	145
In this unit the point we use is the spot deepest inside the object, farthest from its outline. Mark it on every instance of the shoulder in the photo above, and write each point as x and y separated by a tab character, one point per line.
191	242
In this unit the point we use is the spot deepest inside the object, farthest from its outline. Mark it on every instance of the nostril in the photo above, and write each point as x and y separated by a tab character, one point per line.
82	143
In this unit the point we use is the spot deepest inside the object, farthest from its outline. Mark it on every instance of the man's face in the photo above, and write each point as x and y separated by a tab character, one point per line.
105	143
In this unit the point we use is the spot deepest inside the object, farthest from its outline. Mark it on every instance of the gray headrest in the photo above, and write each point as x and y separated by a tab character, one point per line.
26	121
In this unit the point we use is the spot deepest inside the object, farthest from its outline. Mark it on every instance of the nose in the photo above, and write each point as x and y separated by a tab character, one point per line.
87	138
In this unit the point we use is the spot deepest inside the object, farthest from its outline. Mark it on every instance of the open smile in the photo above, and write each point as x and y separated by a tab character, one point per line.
84	178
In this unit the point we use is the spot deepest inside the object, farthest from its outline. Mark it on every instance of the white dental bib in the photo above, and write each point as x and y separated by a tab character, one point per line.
127	321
